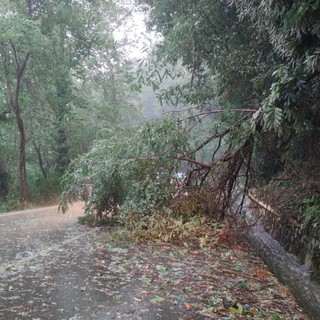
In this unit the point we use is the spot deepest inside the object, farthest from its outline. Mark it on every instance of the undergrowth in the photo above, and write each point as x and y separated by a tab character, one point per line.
162	227
295	195
9	205
190	217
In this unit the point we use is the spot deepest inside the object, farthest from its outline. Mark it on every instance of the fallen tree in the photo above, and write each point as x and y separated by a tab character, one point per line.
286	269
282	264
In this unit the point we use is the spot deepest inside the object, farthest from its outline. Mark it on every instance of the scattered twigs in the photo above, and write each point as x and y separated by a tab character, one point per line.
242	275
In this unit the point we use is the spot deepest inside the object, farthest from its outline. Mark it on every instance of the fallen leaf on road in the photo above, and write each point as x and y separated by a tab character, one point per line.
157	299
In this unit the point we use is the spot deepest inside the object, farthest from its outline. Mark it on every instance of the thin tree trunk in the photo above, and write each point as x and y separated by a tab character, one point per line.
14	90
16	107
22	161
62	148
38	152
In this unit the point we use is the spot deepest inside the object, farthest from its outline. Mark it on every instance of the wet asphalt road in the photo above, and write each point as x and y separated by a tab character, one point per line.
46	263
52	268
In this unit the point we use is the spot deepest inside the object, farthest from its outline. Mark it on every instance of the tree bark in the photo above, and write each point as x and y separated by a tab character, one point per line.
62	150
22	161
38	152
14	89
280	263
287	270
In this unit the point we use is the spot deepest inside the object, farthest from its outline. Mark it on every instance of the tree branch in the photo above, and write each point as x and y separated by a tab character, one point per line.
206	113
20	72
220	135
185	158
15	54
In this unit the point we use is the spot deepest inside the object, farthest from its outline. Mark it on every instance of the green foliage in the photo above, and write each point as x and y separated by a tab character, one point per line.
165	227
316	263
293	31
311	227
120	235
263	55
75	86
44	188
293	27
224	56
87	219
10	204
234	45
4	181
131	169
312	210
294	195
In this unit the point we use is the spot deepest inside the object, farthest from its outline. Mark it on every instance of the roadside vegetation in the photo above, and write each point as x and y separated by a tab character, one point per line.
232	88
65	82
239	83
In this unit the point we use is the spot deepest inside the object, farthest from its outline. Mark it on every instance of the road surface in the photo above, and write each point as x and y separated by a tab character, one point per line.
52	268
47	260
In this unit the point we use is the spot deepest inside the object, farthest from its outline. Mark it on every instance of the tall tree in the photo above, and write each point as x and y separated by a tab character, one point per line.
264	55
21	40
47	48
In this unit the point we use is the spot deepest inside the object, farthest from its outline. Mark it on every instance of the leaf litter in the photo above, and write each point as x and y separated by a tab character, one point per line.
195	283
87	279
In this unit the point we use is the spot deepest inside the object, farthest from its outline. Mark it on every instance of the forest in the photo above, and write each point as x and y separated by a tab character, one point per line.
65	82
221	98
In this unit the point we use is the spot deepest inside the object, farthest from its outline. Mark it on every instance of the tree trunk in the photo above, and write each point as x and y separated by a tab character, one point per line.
14	89
38	152
62	150
22	149
22	161
282	265
287	270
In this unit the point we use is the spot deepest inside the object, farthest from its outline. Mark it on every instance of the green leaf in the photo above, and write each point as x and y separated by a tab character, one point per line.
243	310
157	299
237	308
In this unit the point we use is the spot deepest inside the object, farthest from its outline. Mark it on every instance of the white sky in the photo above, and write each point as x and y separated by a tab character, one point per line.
134	33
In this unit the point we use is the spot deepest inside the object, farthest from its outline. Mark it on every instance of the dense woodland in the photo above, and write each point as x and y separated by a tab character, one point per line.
237	87
65	82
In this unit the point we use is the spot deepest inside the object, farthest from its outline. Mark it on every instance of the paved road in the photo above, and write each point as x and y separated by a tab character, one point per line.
52	268
25	234
46	262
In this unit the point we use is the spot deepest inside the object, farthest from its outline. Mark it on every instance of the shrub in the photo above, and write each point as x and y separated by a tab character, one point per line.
42	189
131	170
